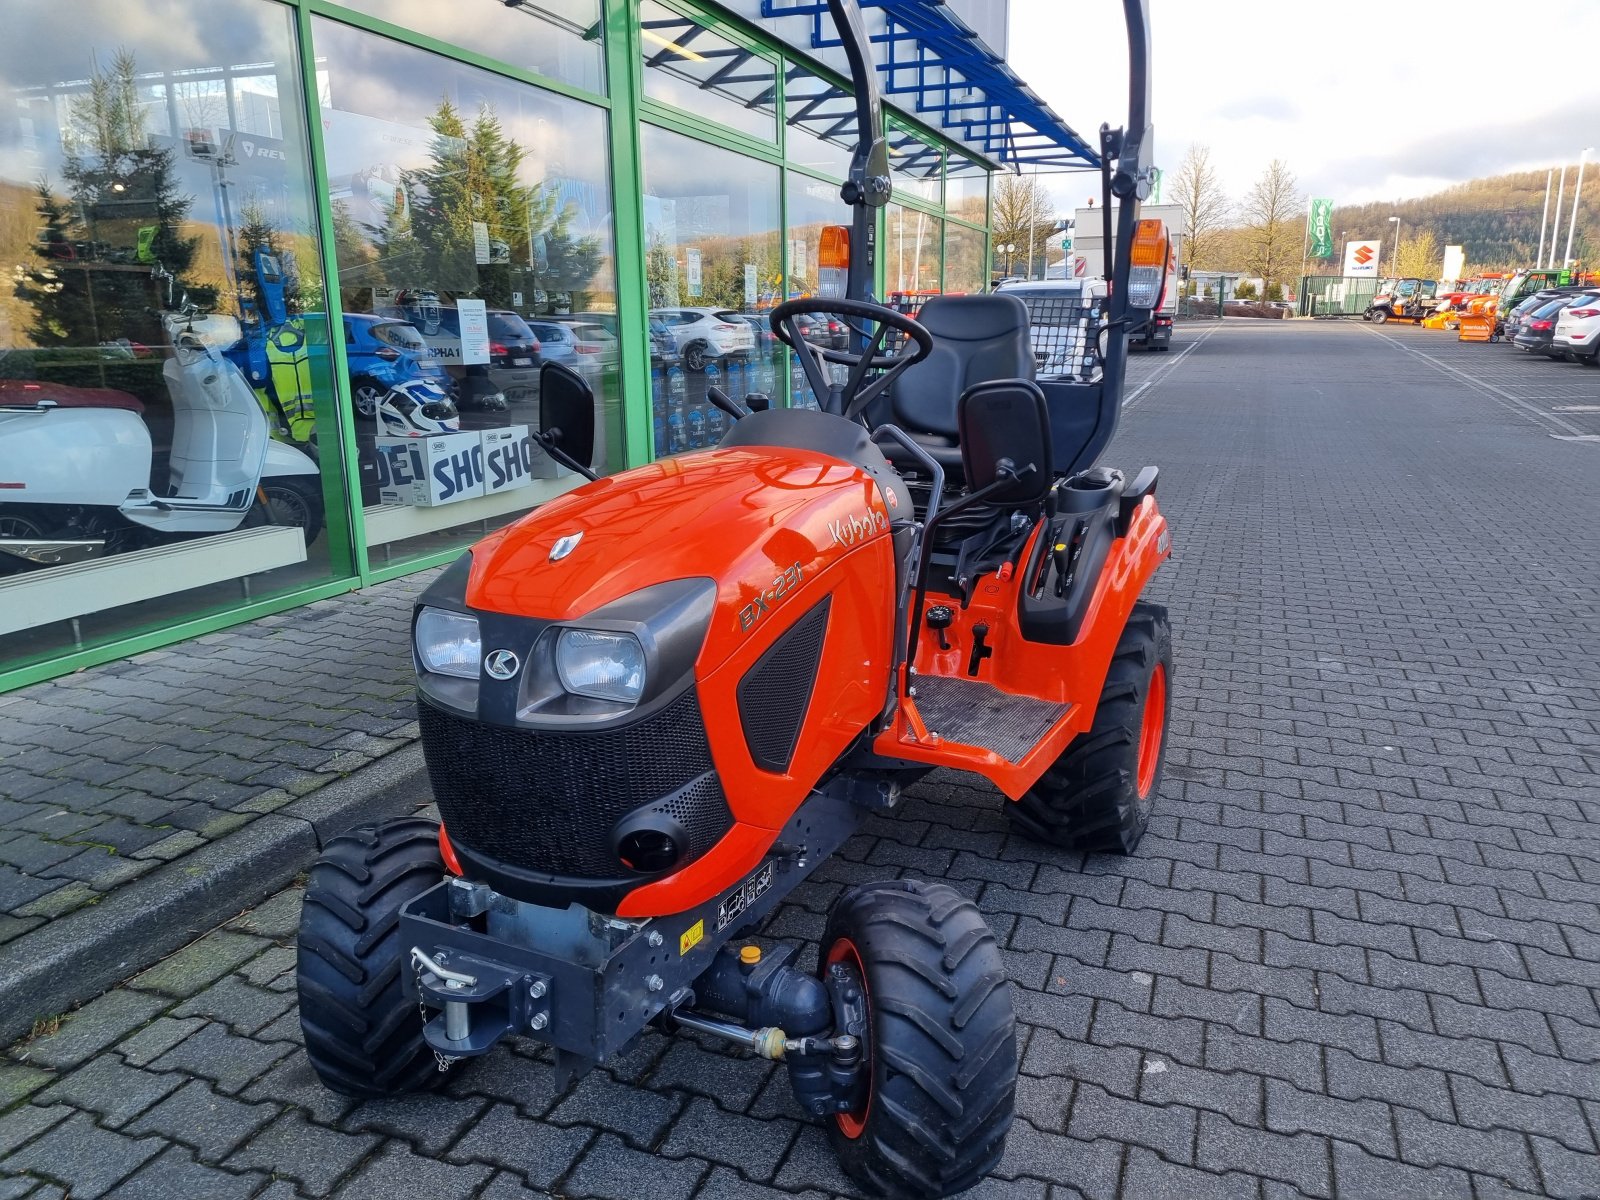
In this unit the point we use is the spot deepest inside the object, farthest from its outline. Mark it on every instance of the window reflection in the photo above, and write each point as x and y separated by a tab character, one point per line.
713	271
821	118
912	250
963	259
966	190
688	66
916	167
558	38
465	206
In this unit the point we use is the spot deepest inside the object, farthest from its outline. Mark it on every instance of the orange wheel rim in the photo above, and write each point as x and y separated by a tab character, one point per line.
1151	729
852	1123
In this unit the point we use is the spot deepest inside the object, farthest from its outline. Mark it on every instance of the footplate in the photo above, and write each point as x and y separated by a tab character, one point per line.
583	982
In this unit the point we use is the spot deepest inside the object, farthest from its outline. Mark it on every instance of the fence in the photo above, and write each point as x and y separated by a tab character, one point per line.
1336	295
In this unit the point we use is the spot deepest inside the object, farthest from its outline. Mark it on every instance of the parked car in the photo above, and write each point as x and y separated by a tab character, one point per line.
1577	333
766	340
663	346
828	332
557	343
597	345
1539	328
1511	322
513	368
388	360
703	334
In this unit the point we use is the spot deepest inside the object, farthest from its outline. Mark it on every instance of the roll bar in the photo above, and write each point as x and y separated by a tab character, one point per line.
867	187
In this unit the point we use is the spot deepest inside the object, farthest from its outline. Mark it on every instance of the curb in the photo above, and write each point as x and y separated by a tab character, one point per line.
77	957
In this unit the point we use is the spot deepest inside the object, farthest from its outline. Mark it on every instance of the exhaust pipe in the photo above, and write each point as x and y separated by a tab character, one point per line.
52	553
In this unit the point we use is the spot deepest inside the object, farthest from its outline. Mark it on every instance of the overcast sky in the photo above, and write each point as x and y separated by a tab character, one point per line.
1313	84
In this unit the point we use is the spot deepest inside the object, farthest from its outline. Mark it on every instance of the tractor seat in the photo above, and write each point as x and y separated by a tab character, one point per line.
976	339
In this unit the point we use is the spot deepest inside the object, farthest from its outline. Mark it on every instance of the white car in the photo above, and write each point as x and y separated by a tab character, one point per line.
703	334
1577	331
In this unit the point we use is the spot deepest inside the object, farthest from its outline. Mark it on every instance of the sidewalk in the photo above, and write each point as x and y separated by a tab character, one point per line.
190	783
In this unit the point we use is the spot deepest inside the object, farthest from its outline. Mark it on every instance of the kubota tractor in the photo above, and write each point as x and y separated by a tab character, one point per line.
654	706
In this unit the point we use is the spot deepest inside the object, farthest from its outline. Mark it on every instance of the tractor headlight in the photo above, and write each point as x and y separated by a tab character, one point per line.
601	664
448	643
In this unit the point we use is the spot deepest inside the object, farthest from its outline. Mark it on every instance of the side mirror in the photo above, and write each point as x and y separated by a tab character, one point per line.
1004	428
758	402
566	417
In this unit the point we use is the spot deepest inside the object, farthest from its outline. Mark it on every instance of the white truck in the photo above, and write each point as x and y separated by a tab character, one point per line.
1085	261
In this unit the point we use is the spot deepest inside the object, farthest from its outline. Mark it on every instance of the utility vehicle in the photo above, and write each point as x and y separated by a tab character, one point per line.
654	706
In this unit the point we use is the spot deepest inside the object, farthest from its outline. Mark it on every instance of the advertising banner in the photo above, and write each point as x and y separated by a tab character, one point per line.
1321	227
1362	258
1455	263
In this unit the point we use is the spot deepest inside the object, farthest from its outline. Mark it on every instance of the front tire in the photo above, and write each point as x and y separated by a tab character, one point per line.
695	357
1098	795
941	1047
1379	316
363	1037
366	395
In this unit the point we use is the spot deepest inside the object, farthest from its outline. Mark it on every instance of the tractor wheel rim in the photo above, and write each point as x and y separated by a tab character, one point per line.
1151	728
844	950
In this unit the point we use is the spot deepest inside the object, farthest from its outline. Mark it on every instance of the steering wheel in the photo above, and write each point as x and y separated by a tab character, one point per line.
851	398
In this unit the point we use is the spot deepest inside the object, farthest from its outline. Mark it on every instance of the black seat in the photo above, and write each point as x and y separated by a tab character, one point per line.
976	339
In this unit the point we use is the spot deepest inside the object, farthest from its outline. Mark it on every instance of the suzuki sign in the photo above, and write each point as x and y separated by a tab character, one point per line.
1362	258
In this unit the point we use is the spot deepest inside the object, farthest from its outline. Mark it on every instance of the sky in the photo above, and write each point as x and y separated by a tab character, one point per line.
1317	85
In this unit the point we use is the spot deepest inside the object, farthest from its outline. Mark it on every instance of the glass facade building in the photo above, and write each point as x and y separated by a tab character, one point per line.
282	274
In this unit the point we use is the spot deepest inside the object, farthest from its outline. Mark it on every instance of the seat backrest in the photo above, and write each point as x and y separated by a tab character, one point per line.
975	339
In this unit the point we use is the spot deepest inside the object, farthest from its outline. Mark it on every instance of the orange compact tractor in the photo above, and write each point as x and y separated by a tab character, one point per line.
652	707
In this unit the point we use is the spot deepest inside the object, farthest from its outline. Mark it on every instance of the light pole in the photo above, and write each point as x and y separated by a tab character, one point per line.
1555	227
1577	190
1008	249
1544	221
1394	258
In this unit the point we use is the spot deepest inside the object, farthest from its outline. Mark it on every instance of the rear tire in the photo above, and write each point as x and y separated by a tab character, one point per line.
1099	794
363	1037
695	357
941	1045
295	500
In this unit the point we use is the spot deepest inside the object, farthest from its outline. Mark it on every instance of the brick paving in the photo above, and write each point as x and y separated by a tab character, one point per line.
1358	953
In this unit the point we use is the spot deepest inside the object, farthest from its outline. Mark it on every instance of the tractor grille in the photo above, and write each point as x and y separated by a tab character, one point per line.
776	692
544	801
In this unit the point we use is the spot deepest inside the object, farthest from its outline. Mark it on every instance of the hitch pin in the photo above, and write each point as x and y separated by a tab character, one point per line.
457	1022
419	959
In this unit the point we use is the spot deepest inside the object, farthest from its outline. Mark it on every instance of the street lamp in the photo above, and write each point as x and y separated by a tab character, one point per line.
1394	260
1008	249
1577	191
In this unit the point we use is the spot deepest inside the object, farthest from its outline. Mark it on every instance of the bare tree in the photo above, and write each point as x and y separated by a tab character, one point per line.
1198	190
1024	215
1273	211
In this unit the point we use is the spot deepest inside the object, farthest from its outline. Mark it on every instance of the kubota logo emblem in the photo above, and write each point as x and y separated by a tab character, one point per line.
501	664
1363	255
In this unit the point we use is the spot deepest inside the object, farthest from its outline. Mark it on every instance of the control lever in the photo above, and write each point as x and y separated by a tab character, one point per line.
723	401
980	650
940	618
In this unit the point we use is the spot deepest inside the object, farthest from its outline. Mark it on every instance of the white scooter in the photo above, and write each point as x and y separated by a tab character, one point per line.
76	477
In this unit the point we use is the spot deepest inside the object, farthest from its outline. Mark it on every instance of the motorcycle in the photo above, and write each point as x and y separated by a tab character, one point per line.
77	465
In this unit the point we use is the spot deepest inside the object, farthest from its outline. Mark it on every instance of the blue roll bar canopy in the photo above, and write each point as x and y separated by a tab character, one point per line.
937	67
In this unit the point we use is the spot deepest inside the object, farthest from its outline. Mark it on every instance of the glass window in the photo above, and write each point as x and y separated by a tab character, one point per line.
165	397
917	168
821	117
813	205
464	204
688	66
912	251
558	38
712	268
966	194
963	259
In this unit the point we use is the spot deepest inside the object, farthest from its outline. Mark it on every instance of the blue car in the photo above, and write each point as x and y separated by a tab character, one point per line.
394	379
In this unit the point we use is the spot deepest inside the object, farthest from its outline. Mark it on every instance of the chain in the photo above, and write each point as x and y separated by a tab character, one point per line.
445	1061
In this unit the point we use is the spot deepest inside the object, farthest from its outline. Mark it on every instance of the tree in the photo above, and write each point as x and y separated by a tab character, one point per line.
1244	290
125	213
1024	215
1274	230
1197	189
1421	256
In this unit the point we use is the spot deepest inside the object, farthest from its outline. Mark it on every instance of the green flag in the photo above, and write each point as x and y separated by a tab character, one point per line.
1321	228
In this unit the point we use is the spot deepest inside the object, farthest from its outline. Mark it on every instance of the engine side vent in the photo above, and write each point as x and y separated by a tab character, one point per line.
775	693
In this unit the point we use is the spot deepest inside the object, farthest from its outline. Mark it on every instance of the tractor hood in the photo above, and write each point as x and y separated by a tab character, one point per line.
764	524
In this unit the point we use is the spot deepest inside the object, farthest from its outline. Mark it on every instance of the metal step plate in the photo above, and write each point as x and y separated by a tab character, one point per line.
980	714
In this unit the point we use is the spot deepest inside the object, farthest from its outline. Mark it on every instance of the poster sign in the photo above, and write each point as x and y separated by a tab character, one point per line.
1321	227
750	284
474	315
692	256
480	242
1362	258
1455	263
516	299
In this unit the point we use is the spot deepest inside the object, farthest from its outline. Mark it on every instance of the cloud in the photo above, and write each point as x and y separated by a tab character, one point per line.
1259	108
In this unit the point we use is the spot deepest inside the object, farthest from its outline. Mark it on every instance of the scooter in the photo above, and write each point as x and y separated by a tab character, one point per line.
77	464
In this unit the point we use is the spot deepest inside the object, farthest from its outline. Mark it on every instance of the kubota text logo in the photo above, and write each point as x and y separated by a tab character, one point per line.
848	533
1363	255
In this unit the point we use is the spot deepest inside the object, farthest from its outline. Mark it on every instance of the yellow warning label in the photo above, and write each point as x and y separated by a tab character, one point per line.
691	938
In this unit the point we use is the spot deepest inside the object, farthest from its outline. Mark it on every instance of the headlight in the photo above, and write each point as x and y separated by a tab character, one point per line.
448	643
606	666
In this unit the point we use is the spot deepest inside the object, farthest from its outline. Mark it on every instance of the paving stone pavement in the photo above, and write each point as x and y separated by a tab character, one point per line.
1358	953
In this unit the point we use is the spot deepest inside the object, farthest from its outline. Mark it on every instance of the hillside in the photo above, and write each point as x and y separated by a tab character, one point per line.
1495	219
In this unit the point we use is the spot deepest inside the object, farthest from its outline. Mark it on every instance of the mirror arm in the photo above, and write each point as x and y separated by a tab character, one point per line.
725	402
549	440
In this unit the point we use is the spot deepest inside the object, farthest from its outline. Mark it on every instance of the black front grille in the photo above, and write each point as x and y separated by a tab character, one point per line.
775	693
545	801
